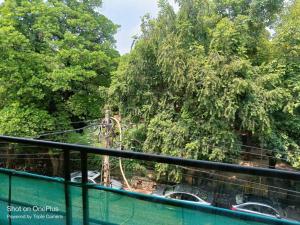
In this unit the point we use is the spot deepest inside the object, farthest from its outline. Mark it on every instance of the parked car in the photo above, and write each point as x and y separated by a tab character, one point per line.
257	208
94	177
256	205
184	193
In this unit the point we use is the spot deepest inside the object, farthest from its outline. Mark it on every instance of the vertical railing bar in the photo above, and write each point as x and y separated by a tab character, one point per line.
84	181
9	199
67	177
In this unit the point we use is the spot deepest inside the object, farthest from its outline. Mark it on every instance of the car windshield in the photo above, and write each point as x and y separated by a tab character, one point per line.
184	196
175	196
260	208
79	180
188	197
252	207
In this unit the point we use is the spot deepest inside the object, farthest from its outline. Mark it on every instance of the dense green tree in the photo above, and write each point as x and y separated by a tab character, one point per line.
284	69
55	59
207	79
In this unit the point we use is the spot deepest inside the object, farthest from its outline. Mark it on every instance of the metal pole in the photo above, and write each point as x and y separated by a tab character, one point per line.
108	144
84	181
105	165
67	177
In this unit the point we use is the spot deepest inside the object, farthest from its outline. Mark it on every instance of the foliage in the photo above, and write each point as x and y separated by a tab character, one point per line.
285	66
209	78
54	56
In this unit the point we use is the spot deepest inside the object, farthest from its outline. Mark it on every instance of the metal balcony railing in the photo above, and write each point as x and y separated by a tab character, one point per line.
33	199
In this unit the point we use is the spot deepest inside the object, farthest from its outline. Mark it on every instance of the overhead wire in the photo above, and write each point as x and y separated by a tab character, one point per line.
227	157
45	153
46	158
251	146
238	179
249	153
227	182
42	153
94	120
241	152
231	183
78	129
216	145
35	146
236	160
91	125
21	146
64	131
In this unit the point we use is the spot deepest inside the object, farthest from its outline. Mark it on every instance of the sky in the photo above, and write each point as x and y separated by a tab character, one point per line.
128	14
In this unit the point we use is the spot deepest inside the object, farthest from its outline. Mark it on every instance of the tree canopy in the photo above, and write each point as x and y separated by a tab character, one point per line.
206	81
55	60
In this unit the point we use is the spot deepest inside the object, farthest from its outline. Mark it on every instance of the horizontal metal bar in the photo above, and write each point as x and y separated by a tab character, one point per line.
30	175
266	172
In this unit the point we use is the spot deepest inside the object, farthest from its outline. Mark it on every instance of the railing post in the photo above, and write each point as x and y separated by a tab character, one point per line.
9	199
84	174
67	177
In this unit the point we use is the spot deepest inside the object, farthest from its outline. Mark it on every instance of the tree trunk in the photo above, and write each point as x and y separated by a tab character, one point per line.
272	161
57	164
9	159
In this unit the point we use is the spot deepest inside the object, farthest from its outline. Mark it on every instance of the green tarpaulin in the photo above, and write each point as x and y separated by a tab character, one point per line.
37	200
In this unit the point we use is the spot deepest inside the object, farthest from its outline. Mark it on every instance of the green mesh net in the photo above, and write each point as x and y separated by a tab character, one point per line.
30	195
4	193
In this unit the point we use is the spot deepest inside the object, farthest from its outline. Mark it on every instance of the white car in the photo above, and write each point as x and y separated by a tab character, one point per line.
94	177
183	192
257	208
187	197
